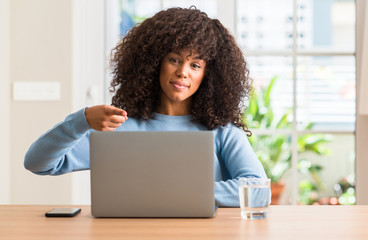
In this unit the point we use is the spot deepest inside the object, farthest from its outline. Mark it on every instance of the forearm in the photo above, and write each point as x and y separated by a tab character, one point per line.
52	152
227	192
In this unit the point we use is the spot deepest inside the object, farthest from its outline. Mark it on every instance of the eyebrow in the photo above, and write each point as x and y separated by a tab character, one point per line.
195	57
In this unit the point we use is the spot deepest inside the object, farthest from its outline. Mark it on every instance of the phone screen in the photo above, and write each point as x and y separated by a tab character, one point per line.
63	212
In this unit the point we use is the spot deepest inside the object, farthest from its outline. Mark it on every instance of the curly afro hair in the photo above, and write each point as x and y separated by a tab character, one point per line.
136	63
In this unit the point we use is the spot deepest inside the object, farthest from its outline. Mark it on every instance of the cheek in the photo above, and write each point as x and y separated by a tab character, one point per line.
165	72
198	81
163	75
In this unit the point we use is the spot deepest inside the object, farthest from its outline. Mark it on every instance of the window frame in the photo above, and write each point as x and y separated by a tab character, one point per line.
361	136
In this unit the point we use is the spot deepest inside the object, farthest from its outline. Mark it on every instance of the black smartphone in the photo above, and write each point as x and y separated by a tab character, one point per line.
63	212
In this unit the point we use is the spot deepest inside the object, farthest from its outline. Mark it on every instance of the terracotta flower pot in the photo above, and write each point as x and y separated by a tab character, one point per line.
277	189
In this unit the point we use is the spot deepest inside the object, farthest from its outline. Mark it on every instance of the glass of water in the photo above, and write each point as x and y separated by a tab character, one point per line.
254	197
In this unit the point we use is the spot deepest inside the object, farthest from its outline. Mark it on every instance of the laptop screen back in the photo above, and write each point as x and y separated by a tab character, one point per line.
152	174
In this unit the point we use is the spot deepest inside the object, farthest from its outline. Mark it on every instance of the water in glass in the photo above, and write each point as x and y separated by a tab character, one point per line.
254	196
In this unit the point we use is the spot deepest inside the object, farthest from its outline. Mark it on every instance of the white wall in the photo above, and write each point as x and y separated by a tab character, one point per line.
40	36
4	101
46	41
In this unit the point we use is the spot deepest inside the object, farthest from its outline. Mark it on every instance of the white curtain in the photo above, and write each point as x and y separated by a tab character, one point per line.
363	90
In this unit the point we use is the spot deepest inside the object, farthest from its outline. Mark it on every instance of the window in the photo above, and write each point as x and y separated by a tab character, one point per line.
303	53
307	47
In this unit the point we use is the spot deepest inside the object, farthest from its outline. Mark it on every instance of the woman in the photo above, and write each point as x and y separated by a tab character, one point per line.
176	71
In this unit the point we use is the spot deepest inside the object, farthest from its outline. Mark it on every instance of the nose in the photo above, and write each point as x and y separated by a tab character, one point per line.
182	71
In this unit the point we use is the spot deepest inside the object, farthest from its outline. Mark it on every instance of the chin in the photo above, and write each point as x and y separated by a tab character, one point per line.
178	99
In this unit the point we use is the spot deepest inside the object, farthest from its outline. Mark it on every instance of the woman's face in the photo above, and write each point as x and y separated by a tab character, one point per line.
180	76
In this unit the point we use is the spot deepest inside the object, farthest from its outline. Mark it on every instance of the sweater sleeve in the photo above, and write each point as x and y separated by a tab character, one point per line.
240	160
64	148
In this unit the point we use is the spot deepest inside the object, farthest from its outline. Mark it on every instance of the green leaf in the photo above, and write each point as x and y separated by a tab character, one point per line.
267	98
253	106
283	122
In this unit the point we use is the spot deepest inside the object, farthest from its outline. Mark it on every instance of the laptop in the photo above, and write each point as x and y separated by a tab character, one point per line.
152	174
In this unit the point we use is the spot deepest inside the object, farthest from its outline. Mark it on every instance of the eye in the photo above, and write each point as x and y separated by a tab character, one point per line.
174	60
196	65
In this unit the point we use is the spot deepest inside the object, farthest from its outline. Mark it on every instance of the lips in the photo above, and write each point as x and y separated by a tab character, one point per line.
179	85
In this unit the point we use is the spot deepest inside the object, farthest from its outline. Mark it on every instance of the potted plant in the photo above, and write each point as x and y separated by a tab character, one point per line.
274	150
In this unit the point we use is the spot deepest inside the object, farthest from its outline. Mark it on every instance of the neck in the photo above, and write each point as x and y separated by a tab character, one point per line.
175	108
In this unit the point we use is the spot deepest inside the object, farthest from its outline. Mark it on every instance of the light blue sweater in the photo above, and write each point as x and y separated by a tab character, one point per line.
65	148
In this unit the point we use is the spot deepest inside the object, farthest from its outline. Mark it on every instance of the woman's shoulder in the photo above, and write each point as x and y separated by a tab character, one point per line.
229	128
229	132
